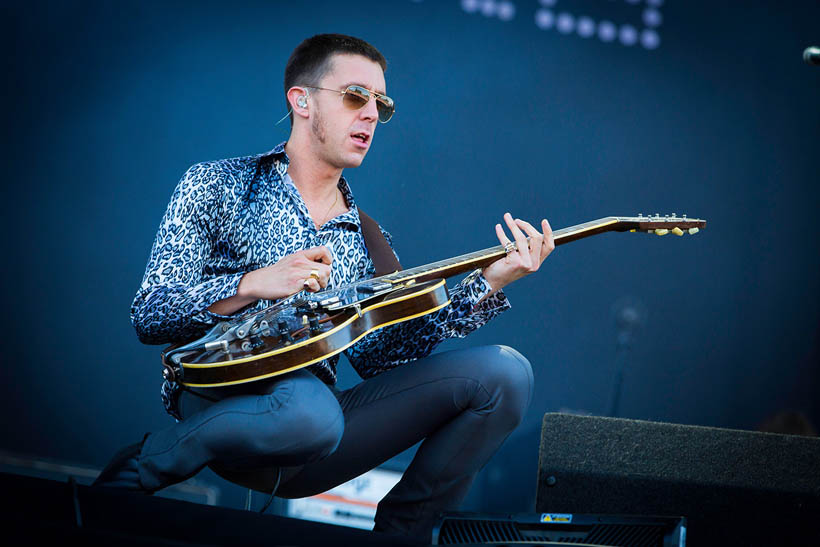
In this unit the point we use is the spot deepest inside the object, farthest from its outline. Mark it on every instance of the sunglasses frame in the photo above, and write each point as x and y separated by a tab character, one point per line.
366	93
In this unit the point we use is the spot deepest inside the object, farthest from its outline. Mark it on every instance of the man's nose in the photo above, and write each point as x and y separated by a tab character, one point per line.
370	111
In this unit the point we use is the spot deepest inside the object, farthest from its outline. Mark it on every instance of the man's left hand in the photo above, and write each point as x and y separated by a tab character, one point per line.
523	260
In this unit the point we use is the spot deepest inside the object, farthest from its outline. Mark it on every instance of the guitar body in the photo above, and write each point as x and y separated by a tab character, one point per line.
265	354
307	328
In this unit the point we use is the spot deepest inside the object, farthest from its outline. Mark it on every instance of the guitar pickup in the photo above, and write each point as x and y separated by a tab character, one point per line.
329	301
372	287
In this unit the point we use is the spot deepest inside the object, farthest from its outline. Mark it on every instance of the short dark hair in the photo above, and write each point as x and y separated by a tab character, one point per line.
310	61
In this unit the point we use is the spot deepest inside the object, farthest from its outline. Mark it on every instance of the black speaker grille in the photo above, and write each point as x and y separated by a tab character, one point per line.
459	531
486	531
617	534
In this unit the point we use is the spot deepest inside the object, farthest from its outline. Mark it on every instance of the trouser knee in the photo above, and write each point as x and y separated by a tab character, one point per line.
507	375
302	427
316	429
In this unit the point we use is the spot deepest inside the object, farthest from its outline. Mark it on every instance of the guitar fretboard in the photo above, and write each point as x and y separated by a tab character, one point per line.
477	259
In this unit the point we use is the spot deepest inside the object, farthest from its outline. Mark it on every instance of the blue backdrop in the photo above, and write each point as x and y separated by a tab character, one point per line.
570	110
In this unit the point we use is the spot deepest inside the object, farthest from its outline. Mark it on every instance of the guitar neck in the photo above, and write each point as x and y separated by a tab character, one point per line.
479	259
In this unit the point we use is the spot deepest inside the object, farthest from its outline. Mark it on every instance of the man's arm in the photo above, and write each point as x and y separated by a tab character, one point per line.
173	298
286	277
176	300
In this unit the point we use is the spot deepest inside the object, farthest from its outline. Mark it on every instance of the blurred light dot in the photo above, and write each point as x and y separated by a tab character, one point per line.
606	31
628	35
547	2
544	19
586	27
506	11
650	39
565	23
469	6
488	8
652	17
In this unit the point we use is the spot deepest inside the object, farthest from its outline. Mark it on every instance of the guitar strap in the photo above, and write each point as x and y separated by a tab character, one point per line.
384	259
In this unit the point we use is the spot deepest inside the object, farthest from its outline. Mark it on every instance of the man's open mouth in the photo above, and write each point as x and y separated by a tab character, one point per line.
364	138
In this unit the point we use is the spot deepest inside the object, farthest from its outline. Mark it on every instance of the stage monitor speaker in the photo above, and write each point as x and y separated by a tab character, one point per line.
558	529
734	487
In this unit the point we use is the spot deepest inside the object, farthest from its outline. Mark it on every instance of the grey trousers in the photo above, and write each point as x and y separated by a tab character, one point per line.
462	404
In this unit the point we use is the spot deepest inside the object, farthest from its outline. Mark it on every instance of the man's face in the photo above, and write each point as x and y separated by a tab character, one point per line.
341	136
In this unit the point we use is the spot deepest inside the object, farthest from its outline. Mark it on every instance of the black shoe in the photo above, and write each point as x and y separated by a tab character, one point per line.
121	471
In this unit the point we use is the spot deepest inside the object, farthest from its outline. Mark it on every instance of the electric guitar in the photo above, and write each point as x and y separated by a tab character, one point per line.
307	328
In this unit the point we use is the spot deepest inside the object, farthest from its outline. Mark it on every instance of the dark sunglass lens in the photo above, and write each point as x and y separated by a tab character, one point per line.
356	97
385	114
385	109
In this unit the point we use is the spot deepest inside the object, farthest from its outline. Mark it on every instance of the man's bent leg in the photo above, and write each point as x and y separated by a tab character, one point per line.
287	421
464	404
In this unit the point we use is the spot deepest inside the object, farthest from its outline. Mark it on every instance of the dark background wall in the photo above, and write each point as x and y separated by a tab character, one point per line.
501	106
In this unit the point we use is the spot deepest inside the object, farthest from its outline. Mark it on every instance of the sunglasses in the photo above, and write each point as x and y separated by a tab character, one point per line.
356	97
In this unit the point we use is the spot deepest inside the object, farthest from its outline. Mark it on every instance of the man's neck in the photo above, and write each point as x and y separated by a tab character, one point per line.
315	179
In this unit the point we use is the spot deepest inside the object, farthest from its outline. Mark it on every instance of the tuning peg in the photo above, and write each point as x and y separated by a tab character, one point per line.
661	231
693	231
677	231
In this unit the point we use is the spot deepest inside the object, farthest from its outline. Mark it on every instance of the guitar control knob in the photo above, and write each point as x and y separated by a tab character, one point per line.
284	332
314	325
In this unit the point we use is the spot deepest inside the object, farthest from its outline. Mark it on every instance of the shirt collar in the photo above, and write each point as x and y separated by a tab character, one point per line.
282	161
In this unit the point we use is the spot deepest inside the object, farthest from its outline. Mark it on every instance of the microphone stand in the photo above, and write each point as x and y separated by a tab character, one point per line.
629	315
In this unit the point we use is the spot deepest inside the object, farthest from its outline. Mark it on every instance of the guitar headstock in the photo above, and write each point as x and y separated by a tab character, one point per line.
660	225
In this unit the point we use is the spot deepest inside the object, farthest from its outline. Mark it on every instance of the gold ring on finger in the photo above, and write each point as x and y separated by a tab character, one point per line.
314	274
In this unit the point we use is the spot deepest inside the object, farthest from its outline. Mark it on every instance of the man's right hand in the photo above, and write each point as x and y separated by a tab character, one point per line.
286	277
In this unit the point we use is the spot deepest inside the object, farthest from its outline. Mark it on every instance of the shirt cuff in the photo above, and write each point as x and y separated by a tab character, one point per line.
477	287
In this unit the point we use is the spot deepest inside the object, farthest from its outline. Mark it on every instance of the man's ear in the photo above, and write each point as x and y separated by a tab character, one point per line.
298	99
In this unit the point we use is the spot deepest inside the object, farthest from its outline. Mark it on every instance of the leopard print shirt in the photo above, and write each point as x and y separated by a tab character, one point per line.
229	217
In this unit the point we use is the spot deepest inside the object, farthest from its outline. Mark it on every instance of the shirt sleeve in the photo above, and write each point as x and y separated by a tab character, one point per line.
404	342
173	299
